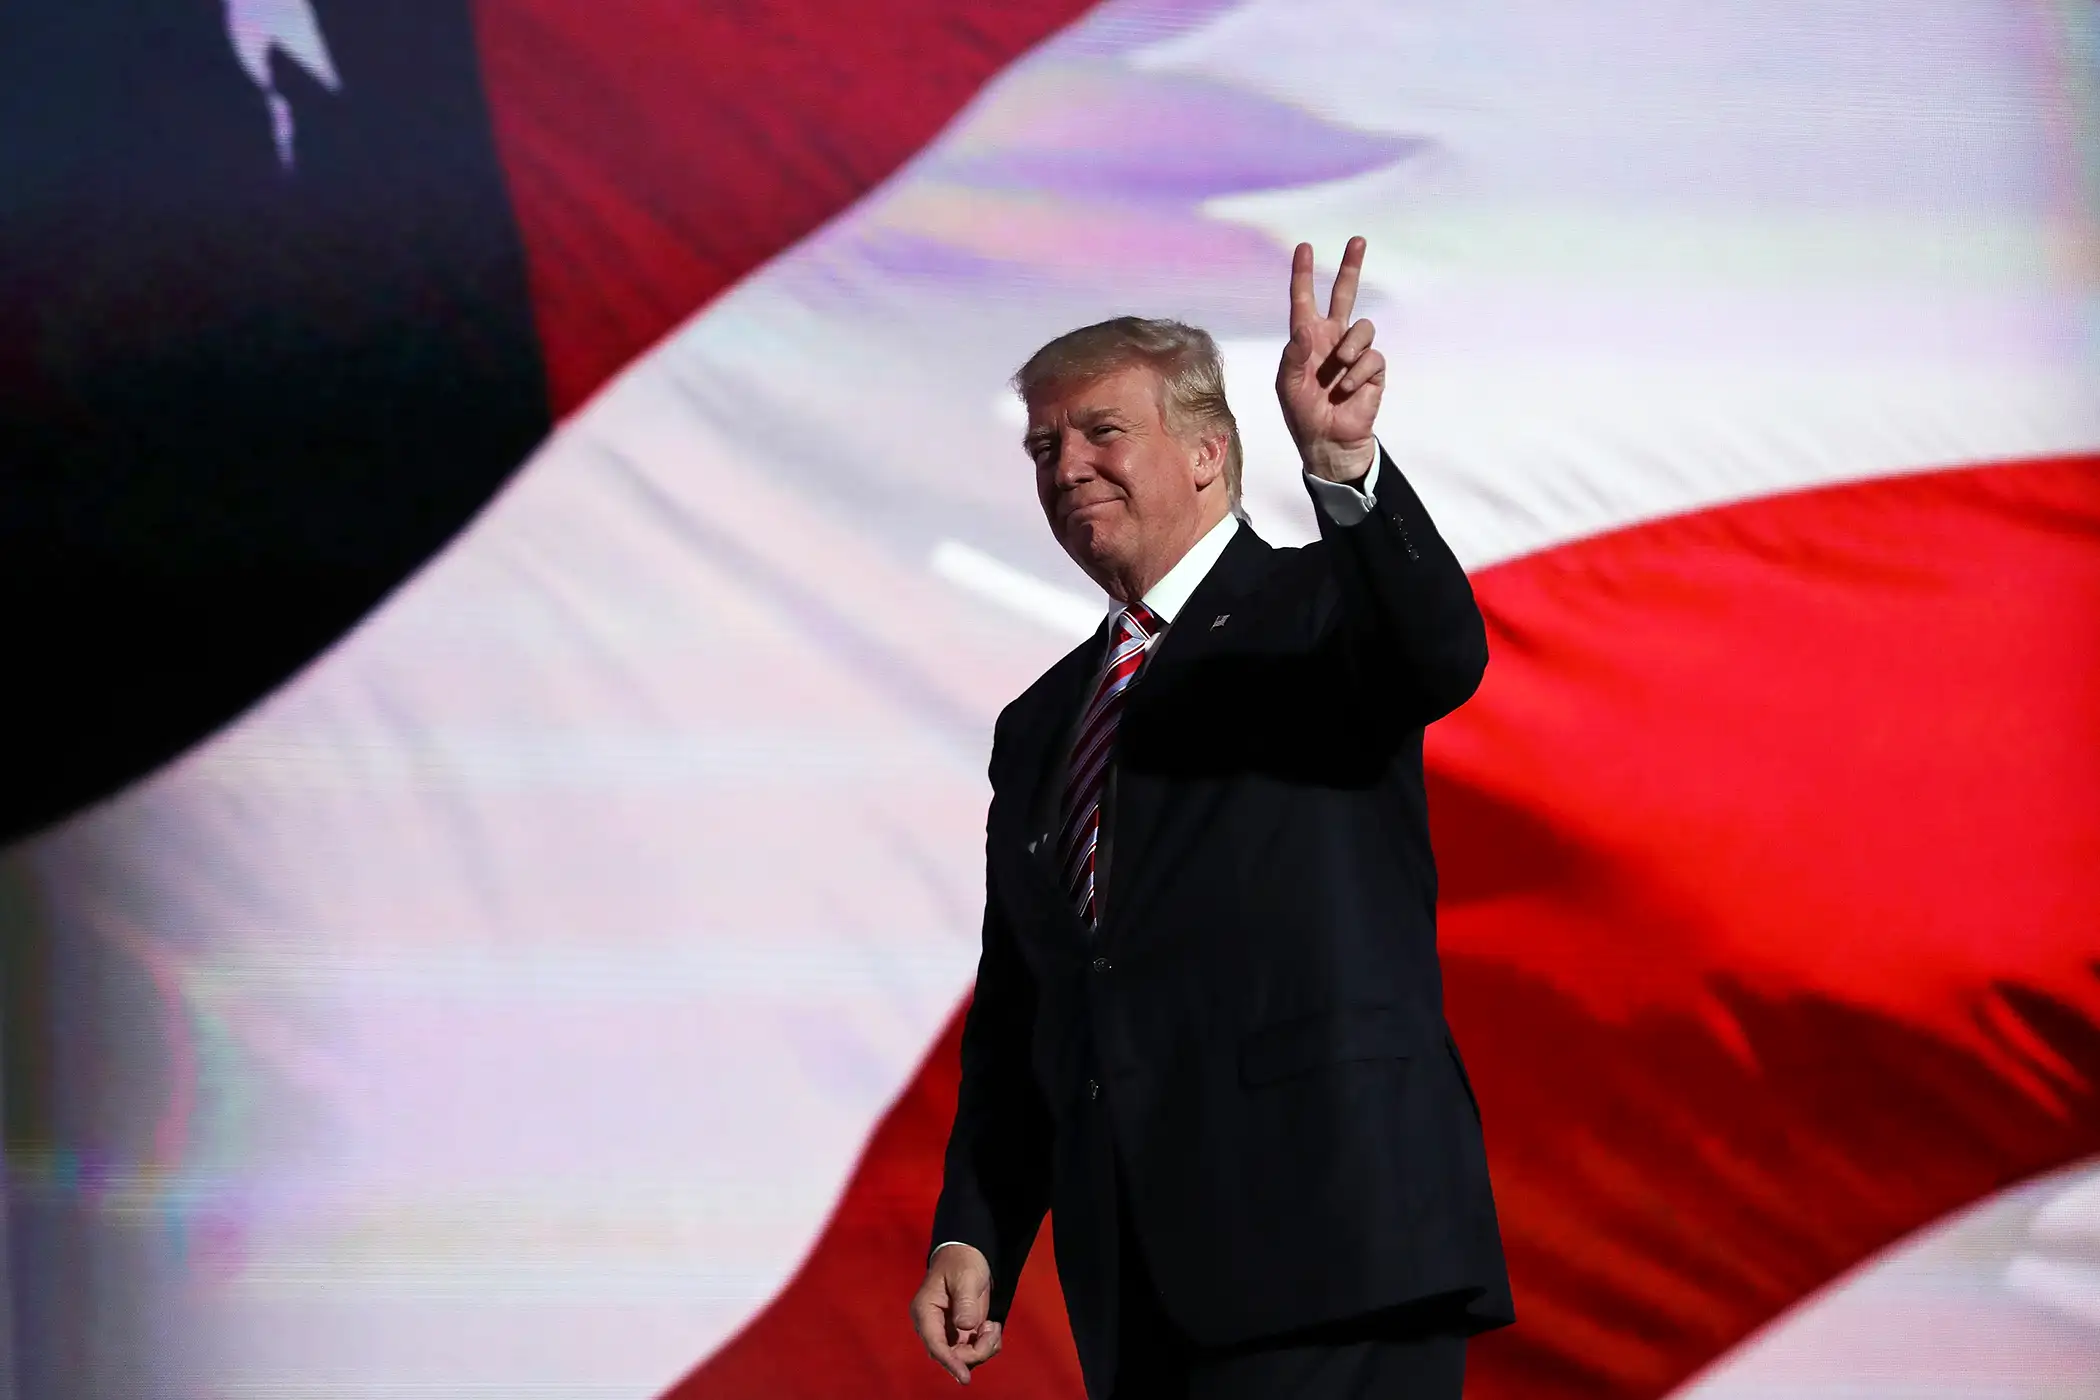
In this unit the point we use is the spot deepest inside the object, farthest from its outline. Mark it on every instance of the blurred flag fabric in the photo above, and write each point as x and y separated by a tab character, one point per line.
513	538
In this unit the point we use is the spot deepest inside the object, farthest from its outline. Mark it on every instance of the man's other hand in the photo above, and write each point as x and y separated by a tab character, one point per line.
951	1311
1331	380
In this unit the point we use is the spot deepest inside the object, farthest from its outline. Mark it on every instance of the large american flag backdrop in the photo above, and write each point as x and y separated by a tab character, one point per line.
514	536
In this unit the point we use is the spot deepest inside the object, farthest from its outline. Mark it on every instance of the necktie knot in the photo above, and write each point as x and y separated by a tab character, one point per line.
1137	620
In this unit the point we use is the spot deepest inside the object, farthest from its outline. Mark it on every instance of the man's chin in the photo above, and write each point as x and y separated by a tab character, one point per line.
1092	548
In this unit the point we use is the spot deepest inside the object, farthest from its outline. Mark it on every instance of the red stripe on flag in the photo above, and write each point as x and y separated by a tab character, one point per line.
658	150
1768	823
1771	875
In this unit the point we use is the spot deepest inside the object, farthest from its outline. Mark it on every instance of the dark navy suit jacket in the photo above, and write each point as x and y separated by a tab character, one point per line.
1250	1048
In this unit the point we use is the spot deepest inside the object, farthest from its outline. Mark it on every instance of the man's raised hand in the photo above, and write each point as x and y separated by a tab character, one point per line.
1331	380
952	1311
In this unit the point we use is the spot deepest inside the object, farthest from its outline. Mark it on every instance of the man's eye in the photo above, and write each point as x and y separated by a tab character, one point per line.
1102	430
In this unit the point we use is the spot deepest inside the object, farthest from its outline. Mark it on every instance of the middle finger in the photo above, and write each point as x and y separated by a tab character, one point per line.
1341	302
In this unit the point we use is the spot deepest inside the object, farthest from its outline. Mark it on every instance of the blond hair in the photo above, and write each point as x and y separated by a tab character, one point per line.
1191	373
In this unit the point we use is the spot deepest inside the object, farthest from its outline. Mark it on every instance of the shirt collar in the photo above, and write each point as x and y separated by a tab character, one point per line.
1171	594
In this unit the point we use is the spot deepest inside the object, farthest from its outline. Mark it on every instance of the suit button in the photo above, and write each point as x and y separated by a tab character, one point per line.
1101	964
1093	1088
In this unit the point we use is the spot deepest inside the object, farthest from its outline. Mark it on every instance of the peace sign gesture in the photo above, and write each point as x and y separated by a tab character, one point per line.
1331	380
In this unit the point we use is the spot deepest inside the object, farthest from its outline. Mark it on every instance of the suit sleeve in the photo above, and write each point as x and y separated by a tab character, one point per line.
1405	609
996	1183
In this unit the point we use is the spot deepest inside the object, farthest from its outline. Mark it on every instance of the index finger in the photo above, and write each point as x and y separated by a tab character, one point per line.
1302	310
930	1320
932	1325
1342	301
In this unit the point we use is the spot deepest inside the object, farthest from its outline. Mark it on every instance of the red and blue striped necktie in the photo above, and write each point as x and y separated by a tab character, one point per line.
1136	628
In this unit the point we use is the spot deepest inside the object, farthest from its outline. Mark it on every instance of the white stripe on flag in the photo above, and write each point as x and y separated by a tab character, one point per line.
1022	594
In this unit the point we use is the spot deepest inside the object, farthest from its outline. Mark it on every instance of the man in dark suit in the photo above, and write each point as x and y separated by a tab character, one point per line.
1208	1032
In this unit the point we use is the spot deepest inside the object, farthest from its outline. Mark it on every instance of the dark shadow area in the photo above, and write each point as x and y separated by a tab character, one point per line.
240	400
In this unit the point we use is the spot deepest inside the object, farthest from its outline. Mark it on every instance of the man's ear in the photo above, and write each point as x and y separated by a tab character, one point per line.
1210	458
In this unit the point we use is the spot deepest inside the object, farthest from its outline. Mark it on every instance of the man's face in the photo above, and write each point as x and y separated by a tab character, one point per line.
1119	489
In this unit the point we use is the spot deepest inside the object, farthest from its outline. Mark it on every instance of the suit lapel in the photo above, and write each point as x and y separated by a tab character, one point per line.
1051	737
1140	796
1025	831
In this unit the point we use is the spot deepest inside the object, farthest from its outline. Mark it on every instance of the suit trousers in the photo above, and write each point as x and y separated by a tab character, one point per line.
1412	1353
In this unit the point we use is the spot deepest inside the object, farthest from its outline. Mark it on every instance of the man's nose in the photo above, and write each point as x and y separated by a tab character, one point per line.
1075	460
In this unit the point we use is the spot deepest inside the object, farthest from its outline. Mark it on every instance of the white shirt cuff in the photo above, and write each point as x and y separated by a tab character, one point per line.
1346	502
